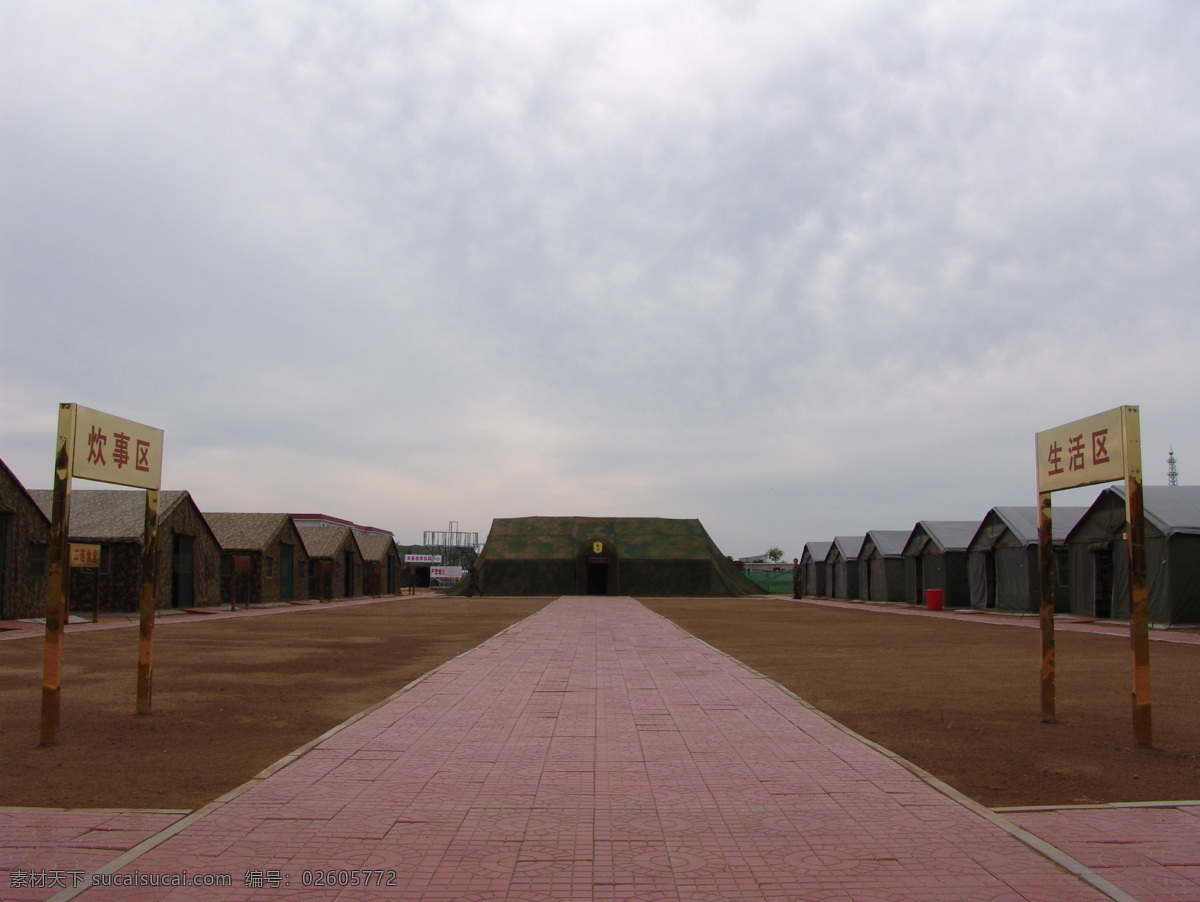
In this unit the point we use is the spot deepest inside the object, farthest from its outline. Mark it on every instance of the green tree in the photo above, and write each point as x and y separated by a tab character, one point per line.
775	554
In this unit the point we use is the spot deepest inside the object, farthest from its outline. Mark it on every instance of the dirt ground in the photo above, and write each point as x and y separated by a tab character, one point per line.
962	699
233	696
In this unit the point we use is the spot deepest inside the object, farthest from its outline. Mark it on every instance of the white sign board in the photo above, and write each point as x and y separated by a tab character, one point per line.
121	452
422	558
445	572
1084	452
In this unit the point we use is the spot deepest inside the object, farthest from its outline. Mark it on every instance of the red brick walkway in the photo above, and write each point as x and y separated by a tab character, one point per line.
594	752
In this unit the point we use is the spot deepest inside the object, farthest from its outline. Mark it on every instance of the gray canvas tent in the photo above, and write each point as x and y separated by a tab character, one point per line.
935	557
812	561
604	556
1099	557
841	563
1002	559
881	565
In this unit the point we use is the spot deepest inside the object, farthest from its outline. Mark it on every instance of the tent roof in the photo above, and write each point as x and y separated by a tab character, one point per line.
373	545
1171	508
12	478
848	547
948	535
1023	521
549	538
324	541
817	551
109	515
888	542
238	531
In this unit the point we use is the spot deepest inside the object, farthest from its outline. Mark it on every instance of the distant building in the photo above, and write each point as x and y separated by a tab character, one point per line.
651	556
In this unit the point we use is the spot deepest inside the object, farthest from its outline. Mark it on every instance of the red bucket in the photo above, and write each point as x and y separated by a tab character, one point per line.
934	599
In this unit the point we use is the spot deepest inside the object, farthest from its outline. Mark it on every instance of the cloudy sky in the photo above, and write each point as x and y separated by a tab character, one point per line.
794	269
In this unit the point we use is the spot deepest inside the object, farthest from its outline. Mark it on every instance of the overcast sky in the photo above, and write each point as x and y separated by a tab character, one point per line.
795	269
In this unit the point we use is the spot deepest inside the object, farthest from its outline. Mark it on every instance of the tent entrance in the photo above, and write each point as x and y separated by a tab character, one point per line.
1102	568
597	576
989	579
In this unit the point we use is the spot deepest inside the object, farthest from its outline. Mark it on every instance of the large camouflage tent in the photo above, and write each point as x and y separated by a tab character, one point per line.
604	556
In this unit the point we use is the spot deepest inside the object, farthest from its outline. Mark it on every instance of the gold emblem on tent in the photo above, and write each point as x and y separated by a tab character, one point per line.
597	547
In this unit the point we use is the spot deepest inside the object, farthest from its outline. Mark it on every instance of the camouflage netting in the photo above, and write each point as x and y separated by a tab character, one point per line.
635	556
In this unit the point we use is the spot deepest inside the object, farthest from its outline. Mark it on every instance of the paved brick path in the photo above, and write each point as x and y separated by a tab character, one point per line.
596	752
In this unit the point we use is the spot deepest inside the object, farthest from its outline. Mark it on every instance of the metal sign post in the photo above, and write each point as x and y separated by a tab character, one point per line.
104	448
1105	447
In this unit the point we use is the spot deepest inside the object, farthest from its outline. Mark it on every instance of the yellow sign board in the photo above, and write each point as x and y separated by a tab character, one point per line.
85	555
114	450
1084	452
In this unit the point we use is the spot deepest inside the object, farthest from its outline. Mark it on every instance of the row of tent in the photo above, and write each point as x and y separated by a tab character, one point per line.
992	564
204	559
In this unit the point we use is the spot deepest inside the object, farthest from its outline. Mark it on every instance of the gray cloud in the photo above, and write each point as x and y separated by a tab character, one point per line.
793	270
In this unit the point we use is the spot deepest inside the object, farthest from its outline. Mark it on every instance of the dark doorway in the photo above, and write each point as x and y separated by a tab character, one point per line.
989	579
286	569
3	560
1102	567
183	591
348	587
597	576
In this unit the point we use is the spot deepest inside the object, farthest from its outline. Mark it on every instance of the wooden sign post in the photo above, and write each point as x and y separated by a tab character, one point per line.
103	448
1102	448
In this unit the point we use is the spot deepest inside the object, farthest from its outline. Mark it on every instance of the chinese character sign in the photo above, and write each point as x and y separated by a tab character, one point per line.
122	452
1087	451
85	555
422	558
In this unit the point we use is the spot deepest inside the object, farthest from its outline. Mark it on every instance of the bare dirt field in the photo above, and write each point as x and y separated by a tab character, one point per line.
961	699
233	696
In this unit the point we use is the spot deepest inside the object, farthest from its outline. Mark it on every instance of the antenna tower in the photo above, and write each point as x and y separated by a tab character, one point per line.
1172	471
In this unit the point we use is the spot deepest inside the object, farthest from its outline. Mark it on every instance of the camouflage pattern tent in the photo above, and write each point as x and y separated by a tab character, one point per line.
604	556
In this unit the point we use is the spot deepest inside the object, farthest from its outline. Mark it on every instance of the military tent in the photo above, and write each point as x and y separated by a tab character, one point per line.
263	559
1099	557
24	539
812	561
604	556
189	556
881	565
841	565
935	557
1002	559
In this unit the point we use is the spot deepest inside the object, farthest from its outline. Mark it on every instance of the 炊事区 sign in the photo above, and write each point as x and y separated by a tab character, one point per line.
114	450
1084	452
